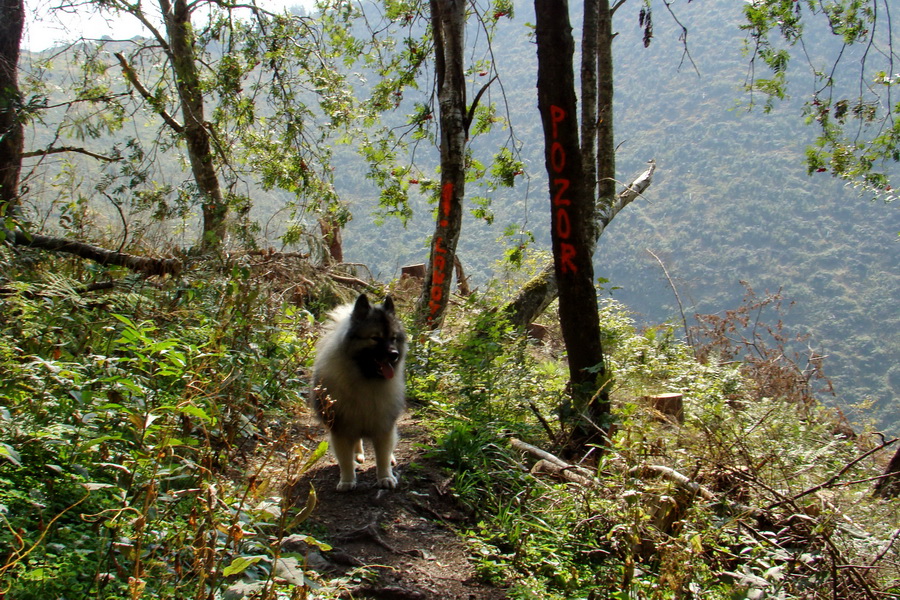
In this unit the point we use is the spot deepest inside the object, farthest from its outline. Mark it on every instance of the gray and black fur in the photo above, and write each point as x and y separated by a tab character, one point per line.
358	386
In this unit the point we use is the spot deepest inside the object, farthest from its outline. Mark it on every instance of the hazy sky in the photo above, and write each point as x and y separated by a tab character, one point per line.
45	28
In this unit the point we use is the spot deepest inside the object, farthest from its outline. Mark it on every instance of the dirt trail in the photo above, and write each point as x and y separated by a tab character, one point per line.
404	536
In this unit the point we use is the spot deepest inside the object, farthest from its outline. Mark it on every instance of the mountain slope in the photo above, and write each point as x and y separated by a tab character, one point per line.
731	201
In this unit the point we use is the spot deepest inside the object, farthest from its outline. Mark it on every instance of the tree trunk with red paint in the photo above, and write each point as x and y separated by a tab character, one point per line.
598	156
536	295
572	213
448	24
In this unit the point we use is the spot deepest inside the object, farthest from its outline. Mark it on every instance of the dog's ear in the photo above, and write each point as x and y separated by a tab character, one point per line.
361	308
388	305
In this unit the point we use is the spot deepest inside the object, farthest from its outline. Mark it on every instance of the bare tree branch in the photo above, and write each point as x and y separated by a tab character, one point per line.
831	480
132	78
536	295
687	330
467	122
64	149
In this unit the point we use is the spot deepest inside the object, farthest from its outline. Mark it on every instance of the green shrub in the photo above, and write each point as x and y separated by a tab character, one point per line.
783	496
120	418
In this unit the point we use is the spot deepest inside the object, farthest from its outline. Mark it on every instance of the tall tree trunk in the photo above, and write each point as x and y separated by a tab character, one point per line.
572	215
606	145
598	155
448	24
589	103
12	23
196	130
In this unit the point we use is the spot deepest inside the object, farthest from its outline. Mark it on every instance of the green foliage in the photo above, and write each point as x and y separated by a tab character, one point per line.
393	68
506	168
486	368
125	421
114	431
749	157
119	418
859	137
777	482
276	96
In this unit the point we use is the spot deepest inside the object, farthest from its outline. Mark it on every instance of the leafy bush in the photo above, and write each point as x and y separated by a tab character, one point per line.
753	496
139	436
121	417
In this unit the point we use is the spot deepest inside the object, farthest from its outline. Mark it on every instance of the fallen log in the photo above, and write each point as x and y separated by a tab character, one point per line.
141	264
553	465
674	476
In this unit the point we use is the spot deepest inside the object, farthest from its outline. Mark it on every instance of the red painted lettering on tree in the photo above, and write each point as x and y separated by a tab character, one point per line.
438	271
562	186
557	157
562	224
446	199
439	266
557	115
567	253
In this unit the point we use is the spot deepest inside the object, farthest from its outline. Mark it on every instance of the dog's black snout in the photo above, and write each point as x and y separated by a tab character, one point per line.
393	355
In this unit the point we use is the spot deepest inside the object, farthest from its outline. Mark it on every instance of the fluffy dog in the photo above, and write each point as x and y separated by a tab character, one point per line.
358	386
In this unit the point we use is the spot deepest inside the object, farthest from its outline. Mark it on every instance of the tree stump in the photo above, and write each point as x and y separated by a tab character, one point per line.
413	271
537	332
670	406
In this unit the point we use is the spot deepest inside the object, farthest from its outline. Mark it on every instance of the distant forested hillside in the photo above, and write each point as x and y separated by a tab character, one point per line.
731	201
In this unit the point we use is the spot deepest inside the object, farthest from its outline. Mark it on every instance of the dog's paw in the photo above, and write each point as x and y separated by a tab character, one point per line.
388	483
346	486
359	457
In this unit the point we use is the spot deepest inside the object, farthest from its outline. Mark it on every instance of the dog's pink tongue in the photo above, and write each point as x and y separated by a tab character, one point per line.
387	369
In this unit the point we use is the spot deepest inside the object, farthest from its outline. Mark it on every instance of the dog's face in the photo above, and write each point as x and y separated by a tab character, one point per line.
376	339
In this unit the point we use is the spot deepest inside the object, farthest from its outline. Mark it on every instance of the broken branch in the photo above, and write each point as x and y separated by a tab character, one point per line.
558	464
62	149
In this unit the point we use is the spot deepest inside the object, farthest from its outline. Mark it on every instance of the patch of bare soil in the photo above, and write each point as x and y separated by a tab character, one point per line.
405	538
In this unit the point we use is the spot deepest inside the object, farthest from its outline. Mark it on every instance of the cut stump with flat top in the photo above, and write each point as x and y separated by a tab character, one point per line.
670	406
